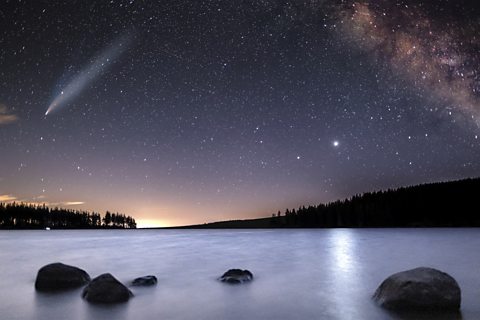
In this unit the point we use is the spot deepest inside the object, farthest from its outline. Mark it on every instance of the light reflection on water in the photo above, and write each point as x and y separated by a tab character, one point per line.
299	274
345	271
343	253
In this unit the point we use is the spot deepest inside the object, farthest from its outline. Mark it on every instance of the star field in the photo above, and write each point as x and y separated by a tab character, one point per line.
224	110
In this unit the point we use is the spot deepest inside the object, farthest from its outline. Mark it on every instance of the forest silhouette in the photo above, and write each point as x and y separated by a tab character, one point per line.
444	204
28	216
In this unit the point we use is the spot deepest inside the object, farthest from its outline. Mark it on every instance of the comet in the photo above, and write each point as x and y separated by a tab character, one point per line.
92	71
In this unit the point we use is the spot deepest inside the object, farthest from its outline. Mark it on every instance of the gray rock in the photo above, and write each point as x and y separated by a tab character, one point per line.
145	281
419	289
106	289
236	276
59	276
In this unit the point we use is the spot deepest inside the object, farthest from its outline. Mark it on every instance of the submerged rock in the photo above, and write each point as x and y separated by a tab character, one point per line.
419	289
106	289
145	281
235	276
59	276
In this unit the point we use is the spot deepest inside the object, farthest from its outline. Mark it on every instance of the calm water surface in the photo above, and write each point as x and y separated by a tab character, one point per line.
299	274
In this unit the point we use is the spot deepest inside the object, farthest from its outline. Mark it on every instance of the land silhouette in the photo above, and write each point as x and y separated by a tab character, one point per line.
443	204
27	216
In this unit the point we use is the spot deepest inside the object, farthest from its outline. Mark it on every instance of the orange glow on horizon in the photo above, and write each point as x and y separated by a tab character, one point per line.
152	223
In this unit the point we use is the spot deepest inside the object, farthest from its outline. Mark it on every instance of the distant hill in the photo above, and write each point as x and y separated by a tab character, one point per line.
27	216
444	204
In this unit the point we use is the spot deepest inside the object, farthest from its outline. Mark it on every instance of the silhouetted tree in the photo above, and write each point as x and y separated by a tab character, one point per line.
447	204
28	216
107	220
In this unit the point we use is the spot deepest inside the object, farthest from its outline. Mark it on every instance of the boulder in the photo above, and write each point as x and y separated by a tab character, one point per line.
236	276
419	289
59	276
145	281
106	289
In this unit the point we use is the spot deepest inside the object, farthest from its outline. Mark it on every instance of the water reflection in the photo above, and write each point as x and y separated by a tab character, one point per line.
345	272
69	304
299	274
440	315
61	304
346	284
342	244
107	311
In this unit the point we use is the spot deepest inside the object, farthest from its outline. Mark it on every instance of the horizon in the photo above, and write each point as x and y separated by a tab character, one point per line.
188	113
279	213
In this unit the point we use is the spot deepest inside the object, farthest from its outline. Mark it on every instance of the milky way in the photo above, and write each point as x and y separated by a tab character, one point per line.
439	53
223	110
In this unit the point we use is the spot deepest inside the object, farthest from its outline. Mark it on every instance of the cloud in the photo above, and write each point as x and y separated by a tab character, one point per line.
60	204
6	116
37	201
54	204
7	198
72	203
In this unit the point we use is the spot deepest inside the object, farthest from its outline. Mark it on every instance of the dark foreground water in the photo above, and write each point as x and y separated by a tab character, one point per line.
299	274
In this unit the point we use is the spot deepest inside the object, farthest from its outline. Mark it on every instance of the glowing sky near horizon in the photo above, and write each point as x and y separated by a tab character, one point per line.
225	110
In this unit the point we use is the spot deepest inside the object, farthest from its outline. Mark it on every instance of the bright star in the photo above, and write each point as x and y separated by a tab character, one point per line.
336	143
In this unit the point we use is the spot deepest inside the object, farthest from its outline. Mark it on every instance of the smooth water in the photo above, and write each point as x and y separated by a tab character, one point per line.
299	274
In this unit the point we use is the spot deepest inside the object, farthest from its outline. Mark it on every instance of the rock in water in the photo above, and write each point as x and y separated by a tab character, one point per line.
419	289
236	276
59	276
106	289
145	281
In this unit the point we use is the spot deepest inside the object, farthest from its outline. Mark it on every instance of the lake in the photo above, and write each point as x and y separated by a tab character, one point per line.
299	274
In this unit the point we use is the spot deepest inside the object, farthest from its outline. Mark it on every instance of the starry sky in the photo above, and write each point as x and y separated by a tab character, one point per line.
182	112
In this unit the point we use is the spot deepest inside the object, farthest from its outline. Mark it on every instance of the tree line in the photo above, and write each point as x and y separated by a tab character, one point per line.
446	204
28	216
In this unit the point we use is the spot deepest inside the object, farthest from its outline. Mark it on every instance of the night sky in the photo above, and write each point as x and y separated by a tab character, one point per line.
181	112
